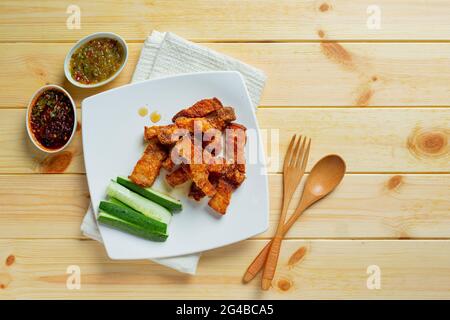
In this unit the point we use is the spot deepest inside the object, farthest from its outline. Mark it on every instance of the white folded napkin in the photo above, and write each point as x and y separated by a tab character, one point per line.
166	54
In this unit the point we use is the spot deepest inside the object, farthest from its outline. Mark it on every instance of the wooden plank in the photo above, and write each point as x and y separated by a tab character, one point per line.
364	206
299	74
19	155
222	20
330	269
370	140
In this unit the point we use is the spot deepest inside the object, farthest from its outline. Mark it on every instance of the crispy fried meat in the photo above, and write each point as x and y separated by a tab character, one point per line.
199	109
199	174
168	163
197	156
147	168
220	118
166	135
215	120
233	173
234	176
151	132
235	143
220	201
195	192
178	176
191	124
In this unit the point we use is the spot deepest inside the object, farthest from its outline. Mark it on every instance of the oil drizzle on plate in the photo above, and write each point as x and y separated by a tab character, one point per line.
143	111
155	117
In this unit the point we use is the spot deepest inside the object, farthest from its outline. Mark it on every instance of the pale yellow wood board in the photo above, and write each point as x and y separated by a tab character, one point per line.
330	269
223	20
370	140
298	74
364	206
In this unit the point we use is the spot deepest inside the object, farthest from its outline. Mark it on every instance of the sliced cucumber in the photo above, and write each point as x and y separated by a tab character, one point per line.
131	228
138	202
119	203
153	195
118	210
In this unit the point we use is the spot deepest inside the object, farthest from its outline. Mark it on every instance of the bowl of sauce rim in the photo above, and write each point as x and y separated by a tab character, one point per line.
34	99
84	41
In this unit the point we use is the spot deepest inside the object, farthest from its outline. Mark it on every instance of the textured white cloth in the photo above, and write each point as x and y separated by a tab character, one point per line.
166	54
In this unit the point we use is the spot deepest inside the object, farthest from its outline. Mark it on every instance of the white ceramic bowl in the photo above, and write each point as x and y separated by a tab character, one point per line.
87	39
33	99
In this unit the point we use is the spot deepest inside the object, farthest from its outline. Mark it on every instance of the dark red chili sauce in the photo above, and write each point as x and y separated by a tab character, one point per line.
52	119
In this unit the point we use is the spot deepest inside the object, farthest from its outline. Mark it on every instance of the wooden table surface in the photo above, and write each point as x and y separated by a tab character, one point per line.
380	98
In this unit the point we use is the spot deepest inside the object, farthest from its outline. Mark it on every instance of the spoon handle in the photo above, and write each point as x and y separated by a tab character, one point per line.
258	263
271	263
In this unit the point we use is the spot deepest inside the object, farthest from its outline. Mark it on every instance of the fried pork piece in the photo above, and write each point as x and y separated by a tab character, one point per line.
236	139
199	109
186	151
220	201
195	192
166	135
170	135
212	145
233	173
219	167
236	126
199	174
235	176
168	163
178	176
147	168
215	120
219	119
202	124
151	132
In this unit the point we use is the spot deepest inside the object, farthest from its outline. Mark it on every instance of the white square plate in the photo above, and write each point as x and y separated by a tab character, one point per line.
113	142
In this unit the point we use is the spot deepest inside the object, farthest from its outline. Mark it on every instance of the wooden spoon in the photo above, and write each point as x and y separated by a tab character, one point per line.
325	176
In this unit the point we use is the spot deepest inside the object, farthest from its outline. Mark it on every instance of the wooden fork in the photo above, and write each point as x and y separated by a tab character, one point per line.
293	170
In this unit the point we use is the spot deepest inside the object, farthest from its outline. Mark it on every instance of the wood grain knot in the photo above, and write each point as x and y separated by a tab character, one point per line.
324	7
41	73
5	280
321	33
403	236
297	256
284	284
337	53
394	182
431	143
57	163
364	99
10	260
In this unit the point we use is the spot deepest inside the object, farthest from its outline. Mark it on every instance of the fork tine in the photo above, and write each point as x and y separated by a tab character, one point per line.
305	158
287	157
295	152
300	154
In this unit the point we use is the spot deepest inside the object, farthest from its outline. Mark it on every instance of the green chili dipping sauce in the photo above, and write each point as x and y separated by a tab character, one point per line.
52	119
96	60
